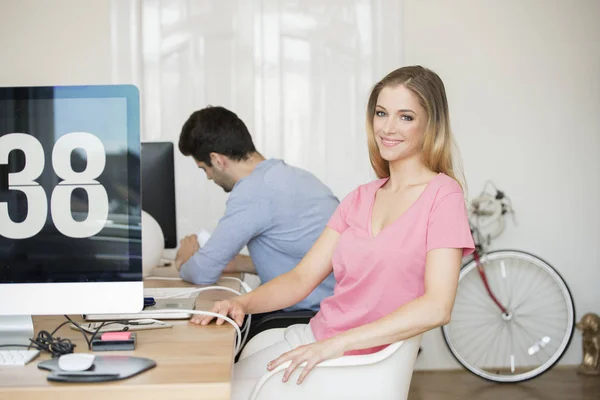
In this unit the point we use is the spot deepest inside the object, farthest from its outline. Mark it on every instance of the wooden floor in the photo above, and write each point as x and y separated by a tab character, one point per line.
561	383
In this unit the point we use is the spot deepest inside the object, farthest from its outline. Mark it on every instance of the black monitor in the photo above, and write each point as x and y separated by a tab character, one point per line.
158	187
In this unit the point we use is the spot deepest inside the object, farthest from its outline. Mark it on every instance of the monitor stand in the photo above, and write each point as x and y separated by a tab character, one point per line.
15	329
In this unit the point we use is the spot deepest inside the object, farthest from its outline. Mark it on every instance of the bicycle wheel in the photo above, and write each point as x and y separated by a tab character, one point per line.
525	341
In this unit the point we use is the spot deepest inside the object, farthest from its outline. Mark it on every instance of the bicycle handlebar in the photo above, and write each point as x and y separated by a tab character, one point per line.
487	213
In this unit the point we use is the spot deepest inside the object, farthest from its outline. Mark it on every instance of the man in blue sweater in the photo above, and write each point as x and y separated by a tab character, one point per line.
275	209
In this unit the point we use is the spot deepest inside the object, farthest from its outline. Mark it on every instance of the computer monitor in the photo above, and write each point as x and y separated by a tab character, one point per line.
70	210
158	188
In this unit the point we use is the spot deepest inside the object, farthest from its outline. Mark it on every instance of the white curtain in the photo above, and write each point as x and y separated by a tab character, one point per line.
297	72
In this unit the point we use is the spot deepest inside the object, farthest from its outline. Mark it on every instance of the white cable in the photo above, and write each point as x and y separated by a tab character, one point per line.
212	314
246	326
162	278
199	290
243	284
247	289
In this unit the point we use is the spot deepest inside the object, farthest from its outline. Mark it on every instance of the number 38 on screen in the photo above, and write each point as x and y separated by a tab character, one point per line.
60	198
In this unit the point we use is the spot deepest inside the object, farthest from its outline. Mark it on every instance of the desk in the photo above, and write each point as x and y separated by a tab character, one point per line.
193	362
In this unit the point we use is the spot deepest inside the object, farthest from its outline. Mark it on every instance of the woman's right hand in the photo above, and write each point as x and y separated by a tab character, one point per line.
232	308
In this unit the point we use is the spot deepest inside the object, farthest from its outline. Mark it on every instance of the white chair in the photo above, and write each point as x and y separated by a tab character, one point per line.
382	375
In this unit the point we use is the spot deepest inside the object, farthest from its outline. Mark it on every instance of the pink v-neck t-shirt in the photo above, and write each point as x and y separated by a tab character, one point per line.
377	275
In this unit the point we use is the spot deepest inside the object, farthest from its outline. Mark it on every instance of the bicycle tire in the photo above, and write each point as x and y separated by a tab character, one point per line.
569	326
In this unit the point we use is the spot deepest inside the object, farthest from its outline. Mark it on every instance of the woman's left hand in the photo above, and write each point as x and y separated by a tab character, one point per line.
313	354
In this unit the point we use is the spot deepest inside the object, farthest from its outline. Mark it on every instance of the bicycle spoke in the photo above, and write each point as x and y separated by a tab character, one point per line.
525	344
511	351
521	348
517	278
504	330
488	306
534	339
480	295
472	336
557	332
560	316
493	344
520	344
544	326
551	286
526	291
544	306
548	326
511	286
485	335
531	293
487	319
470	327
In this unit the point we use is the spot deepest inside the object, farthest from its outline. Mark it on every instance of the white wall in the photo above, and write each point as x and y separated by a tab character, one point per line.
59	42
523	81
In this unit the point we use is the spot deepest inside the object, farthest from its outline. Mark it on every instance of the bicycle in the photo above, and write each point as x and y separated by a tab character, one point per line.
513	317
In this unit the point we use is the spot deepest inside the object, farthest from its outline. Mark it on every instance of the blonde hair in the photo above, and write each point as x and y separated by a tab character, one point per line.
438	144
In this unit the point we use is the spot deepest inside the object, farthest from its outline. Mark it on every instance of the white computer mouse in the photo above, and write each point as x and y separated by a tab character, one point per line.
76	362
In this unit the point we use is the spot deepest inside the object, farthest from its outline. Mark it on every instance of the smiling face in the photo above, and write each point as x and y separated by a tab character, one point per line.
399	123
408	119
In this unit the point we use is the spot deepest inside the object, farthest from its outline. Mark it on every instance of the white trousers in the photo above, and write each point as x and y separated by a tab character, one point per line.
248	371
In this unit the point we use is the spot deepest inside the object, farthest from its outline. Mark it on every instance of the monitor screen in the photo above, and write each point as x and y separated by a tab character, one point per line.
70	206
158	188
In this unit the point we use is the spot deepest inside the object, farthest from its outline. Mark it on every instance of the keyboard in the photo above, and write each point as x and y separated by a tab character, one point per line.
17	357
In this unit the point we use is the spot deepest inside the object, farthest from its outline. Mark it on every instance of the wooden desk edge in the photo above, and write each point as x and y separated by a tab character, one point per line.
100	391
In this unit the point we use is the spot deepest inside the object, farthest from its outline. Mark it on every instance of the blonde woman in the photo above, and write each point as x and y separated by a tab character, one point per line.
395	244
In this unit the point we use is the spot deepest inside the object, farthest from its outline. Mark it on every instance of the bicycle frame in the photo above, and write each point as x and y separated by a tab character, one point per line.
479	251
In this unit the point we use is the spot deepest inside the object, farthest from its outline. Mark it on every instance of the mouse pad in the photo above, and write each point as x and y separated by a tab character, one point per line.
104	369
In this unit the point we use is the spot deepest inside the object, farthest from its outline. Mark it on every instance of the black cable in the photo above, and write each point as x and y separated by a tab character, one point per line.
57	328
96	332
57	346
84	333
89	343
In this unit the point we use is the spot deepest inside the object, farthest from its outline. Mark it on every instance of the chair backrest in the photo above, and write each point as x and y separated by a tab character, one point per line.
280	319
283	319
383	375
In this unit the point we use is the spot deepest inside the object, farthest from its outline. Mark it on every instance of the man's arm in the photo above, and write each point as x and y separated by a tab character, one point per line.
244	219
241	263
187	247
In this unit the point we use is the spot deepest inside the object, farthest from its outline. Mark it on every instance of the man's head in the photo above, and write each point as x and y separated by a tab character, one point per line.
215	137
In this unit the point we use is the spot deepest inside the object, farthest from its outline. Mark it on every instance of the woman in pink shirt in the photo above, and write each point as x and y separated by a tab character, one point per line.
395	244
